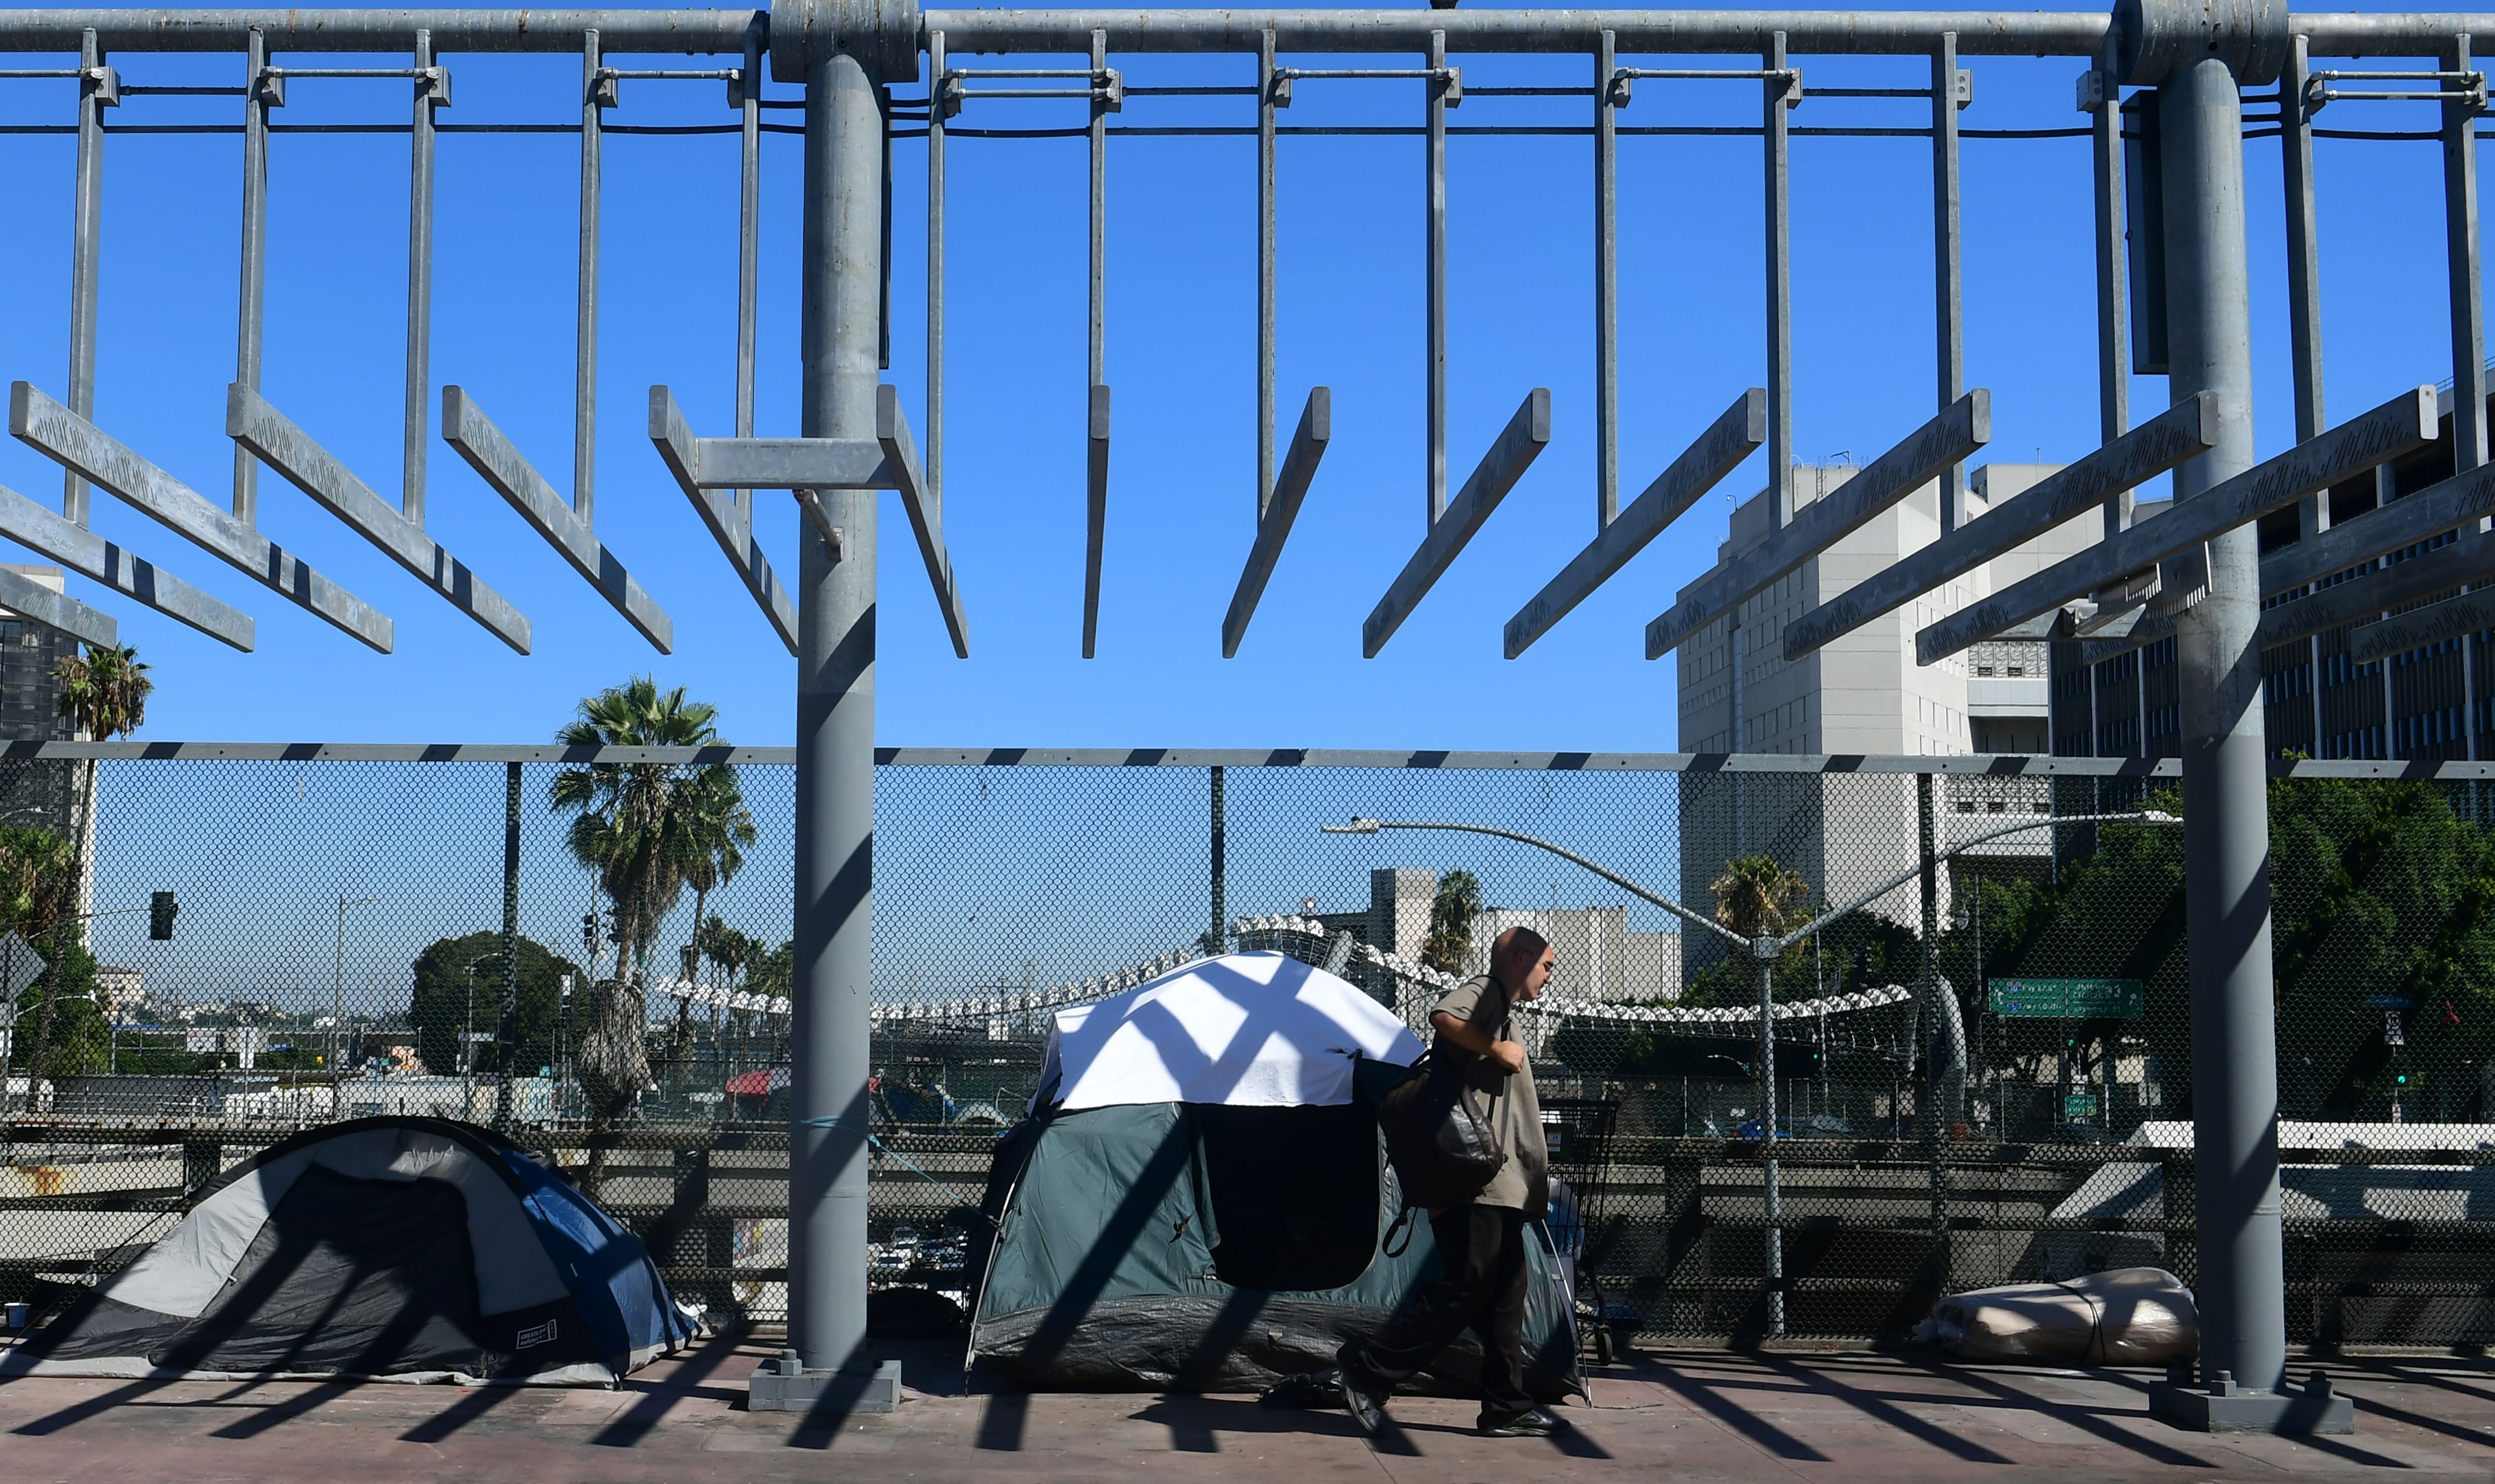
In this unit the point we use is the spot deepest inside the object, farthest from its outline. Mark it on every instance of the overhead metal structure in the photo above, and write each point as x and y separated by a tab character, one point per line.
2172	292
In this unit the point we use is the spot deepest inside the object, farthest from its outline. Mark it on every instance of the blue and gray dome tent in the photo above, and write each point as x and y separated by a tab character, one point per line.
1199	1195
383	1249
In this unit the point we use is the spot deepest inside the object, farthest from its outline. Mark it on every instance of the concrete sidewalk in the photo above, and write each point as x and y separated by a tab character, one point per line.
1685	1415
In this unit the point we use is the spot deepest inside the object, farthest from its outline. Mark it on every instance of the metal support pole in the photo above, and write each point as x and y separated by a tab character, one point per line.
1935	1128
1771	1193
584	404
1220	938
1265	106
749	257
419	288
1096	395
254	258
2460	231
1779	234
2303	309
827	1112
506	1029
1435	197
2226	832
2114	309
2303	265
1947	298
86	231
2468	322
931	458
1607	289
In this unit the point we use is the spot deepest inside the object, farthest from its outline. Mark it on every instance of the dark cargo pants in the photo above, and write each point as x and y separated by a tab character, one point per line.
1480	1288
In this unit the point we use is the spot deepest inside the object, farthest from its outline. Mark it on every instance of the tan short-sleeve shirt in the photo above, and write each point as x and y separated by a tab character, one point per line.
1523	1182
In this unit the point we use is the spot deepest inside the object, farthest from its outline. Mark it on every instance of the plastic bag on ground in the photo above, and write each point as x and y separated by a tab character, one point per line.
2128	1316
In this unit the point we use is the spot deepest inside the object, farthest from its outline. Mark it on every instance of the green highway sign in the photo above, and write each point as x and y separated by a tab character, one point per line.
2067	999
2079	1106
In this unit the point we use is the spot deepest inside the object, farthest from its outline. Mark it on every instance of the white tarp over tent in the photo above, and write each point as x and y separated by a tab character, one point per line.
1250	1030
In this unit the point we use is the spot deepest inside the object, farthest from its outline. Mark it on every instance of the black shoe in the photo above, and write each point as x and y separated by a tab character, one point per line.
1536	1423
1365	1403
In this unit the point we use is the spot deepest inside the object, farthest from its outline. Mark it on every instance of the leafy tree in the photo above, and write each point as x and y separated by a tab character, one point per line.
440	1008
1452	911
81	1040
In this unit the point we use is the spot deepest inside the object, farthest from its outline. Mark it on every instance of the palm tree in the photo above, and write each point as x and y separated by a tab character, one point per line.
103	695
719	827
1458	901
1756	897
647	830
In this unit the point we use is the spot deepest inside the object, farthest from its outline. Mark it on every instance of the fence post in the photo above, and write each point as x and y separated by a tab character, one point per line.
1219	941
506	1031
202	1162
1935	1132
1685	1228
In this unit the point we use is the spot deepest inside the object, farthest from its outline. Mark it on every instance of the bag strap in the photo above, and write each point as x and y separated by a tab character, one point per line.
1403	1223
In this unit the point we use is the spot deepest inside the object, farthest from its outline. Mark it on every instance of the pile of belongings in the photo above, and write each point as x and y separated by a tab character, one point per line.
2127	1316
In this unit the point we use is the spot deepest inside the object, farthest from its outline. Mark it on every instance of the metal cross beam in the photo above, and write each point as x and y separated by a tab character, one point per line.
467	428
2156	445
2466	613
1273	526
2360	599
1732	438
887	461
1960	429
2460	501
87	450
32	525
1526	434
268	434
59	612
729	514
2404	423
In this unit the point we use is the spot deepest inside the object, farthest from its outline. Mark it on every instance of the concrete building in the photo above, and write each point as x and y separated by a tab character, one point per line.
1597	955
34	794
1864	695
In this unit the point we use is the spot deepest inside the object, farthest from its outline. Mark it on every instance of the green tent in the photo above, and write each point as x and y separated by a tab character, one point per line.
1214	1245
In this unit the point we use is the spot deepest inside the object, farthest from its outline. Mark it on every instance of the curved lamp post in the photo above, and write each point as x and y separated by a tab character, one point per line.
1763	950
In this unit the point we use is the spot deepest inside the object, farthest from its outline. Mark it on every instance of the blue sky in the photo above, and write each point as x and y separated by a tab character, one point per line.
1181	344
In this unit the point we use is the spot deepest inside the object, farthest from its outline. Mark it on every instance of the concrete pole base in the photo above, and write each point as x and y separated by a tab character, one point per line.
2221	1407
786	1385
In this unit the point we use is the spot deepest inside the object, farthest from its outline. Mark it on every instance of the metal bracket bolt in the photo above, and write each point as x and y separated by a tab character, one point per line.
606	89
101	84
1109	90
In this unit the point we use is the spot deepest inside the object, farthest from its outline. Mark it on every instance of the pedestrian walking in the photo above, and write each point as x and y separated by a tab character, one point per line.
1481	1281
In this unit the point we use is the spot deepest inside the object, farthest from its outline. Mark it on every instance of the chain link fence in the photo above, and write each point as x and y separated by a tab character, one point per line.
2013	1105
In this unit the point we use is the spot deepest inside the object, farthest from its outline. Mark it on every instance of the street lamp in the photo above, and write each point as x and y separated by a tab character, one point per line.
1765	949
338	986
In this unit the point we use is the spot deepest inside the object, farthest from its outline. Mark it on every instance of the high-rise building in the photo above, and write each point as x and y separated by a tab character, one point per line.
1863	694
36	794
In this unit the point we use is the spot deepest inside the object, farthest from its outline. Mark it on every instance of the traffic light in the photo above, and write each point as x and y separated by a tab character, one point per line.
161	909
